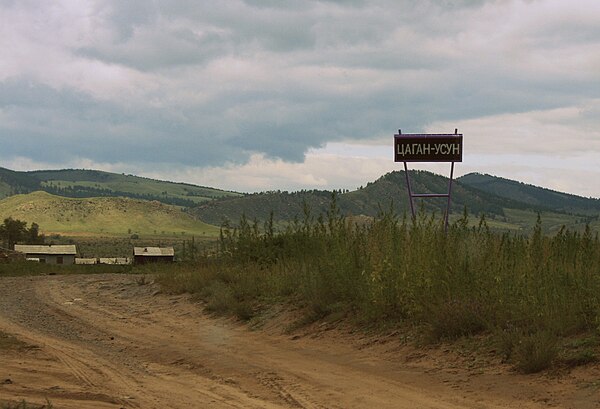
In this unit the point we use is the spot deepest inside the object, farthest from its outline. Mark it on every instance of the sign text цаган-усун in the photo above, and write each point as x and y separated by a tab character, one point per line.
428	148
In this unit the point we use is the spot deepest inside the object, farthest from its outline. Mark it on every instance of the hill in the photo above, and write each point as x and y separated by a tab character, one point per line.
102	216
94	183
532	195
389	192
507	204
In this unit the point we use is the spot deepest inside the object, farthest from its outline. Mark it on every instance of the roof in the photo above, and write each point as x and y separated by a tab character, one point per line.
69	249
153	251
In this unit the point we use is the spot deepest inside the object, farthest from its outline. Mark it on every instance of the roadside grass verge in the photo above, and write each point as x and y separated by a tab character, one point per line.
30	268
24	405
530	294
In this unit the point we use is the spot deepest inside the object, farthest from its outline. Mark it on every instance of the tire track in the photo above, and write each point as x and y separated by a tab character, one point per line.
119	343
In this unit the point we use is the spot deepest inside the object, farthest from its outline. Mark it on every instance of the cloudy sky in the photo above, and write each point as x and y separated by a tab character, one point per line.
257	95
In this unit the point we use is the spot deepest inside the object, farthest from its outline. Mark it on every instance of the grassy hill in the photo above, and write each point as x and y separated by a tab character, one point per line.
93	183
102	216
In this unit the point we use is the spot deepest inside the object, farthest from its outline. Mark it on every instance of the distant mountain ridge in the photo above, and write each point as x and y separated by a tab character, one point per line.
94	183
388	192
507	204
503	210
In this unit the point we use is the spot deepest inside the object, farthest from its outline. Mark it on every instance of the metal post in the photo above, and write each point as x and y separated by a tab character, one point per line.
449	197
410	195
449	191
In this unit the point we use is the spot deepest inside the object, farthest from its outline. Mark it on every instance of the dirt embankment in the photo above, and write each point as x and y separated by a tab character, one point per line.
112	341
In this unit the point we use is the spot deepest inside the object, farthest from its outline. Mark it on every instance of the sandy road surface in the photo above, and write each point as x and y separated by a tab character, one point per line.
105	341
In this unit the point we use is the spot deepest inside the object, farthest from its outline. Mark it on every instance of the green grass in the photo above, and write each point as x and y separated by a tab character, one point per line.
103	216
529	293
551	222
149	187
128	183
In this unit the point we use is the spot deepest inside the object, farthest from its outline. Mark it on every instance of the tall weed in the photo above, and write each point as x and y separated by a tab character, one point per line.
466	281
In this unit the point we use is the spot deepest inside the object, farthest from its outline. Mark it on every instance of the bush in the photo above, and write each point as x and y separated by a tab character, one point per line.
454	319
535	352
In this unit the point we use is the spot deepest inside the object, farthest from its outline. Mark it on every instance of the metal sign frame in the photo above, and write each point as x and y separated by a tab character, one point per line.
428	148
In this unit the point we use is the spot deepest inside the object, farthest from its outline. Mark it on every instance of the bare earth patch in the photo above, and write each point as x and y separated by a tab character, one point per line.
110	341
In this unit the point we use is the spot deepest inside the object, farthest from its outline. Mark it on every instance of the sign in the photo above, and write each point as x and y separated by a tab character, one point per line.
428	147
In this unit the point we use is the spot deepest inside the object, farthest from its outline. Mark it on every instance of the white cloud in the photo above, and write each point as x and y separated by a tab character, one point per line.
318	171
558	133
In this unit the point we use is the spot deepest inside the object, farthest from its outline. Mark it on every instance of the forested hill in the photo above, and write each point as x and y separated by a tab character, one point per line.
506	203
386	193
94	183
532	195
389	193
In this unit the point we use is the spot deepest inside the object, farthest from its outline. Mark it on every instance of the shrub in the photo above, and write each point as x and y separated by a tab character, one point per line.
535	352
454	319
527	292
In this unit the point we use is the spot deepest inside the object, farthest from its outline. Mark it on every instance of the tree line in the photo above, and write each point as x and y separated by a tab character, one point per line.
79	191
13	231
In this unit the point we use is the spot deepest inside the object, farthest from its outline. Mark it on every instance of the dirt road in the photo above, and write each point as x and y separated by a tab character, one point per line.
111	341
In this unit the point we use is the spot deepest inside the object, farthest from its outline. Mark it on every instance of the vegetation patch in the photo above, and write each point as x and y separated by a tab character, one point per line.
535	352
93	183
24	405
529	293
453	319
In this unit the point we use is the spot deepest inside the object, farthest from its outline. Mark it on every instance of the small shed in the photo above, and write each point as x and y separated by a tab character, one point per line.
143	255
51	254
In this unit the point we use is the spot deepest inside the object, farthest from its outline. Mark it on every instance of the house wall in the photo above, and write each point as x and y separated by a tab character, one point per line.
153	259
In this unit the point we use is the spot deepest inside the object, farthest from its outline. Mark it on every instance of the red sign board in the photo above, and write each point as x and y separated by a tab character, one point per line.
428	147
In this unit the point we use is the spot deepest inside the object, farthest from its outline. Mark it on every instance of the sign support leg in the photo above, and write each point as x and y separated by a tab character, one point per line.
449	197
410	195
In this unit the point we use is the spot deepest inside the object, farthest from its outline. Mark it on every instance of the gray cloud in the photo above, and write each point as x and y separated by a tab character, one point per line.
204	83
182	47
